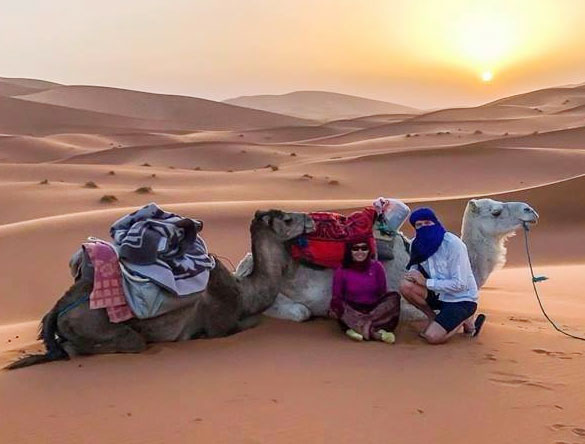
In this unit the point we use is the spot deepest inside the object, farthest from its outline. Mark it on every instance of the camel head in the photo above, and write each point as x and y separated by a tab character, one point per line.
496	219
285	225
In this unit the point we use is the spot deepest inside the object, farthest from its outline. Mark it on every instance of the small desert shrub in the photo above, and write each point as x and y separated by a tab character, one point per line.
293	154
143	190
478	132
44	182
230	171
307	176
171	168
112	173
146	164
243	151
197	169
409	135
108	198
153	175
90	184
333	182
272	167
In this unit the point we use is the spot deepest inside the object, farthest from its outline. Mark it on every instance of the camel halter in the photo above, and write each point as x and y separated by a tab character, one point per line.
541	278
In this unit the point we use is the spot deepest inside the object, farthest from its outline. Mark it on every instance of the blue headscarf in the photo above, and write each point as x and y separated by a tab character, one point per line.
428	239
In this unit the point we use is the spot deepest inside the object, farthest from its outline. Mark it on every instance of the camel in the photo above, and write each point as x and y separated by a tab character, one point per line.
229	303
487	225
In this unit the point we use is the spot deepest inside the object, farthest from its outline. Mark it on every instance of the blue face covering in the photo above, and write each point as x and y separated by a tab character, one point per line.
428	239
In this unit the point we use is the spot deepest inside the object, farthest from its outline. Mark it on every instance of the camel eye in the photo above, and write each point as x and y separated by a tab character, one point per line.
496	213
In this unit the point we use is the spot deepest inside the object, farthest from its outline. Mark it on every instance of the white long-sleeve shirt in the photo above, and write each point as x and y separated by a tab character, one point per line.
450	271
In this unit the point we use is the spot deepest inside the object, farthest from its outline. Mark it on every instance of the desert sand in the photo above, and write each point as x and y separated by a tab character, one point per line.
64	147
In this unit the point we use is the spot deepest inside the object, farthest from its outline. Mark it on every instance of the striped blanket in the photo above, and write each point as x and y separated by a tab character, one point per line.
164	248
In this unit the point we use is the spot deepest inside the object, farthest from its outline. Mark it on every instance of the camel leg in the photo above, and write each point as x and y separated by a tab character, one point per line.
286	308
89	332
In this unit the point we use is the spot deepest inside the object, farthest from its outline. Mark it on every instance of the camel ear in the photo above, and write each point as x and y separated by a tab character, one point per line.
473	205
262	216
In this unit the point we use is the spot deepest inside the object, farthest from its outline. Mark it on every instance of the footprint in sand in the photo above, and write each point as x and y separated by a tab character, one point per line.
518	319
515	380
578	431
555	354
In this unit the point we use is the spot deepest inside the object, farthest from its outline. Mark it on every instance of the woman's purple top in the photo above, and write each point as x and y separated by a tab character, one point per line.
359	287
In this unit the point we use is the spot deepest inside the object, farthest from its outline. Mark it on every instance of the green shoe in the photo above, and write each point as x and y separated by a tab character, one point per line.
387	336
354	335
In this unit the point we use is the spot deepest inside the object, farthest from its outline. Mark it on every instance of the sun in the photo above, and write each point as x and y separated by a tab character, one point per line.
487	76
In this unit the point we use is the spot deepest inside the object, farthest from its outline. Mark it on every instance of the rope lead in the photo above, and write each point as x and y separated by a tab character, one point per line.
535	280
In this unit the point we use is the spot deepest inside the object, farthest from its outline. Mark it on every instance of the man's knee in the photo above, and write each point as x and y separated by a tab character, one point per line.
435	339
435	334
410	290
405	288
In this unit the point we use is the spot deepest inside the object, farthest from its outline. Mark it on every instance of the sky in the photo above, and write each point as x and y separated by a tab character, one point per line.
422	53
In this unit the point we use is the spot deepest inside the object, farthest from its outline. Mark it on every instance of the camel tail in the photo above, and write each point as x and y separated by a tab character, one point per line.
48	334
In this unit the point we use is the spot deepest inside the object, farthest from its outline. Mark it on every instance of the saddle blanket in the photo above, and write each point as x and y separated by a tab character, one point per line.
108	291
326	245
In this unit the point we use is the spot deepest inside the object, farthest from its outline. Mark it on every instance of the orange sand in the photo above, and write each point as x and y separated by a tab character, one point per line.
282	381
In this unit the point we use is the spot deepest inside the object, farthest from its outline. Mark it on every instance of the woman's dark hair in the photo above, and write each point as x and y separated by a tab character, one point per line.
348	258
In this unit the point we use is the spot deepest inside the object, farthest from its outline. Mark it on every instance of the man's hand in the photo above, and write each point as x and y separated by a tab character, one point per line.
416	277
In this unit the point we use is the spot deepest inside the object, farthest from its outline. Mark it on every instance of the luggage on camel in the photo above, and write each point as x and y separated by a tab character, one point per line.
156	260
163	248
325	246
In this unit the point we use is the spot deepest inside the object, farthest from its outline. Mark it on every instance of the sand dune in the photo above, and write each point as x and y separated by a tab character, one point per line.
488	112
14	87
287	382
204	155
190	112
27	149
468	126
9	89
565	138
320	105
549	99
25	117
30	83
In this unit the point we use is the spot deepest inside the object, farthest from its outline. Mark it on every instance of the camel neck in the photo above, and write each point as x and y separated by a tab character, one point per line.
486	253
270	263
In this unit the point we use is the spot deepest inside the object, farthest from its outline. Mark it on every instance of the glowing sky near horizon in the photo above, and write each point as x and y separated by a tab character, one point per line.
423	53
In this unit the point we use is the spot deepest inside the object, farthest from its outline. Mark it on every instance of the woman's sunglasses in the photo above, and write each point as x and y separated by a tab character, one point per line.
360	248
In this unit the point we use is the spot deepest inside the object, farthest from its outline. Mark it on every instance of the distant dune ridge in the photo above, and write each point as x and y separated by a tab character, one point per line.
72	158
191	112
320	105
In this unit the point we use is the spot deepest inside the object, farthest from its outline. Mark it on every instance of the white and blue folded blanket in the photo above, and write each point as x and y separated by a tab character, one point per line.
164	248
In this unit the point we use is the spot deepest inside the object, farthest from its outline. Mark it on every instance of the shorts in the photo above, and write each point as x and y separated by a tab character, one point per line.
451	314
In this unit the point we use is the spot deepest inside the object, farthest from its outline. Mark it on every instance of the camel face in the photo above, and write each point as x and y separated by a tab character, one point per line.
500	218
285	225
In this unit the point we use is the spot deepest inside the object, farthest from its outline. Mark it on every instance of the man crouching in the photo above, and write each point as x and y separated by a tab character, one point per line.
439	277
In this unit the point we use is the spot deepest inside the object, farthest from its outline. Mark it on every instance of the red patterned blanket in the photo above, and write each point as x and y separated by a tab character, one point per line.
326	245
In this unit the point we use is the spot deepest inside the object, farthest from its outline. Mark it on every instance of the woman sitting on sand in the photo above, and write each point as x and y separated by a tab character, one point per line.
360	301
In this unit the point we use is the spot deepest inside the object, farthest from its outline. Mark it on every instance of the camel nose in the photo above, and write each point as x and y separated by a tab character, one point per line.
529	211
